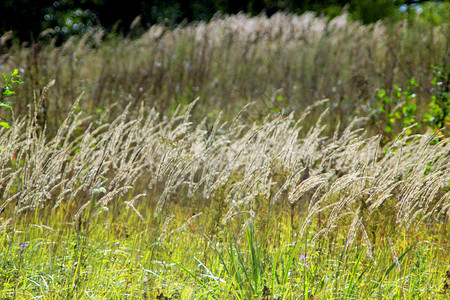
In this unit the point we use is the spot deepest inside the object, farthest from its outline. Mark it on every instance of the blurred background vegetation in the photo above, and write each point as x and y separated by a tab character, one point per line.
386	60
28	18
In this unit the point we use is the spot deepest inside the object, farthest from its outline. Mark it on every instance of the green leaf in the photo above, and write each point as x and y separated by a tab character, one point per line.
381	93
5	78
405	110
8	92
5	105
399	259
16	80
4	124
190	273
413	82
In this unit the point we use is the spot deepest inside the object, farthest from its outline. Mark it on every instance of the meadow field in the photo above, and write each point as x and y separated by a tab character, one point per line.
291	157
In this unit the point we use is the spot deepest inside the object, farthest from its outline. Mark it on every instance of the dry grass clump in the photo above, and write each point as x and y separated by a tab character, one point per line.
147	164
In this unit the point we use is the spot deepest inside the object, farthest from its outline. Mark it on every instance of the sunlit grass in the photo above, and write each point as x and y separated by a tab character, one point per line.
128	258
132	190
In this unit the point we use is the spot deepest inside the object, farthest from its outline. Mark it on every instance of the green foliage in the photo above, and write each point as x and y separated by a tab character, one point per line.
398	109
8	90
370	11
434	12
439	108
64	21
8	83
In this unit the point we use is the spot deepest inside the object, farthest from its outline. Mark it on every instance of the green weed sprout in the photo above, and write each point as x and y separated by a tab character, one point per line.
7	91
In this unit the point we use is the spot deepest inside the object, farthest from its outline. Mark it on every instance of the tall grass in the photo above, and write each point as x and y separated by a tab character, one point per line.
117	192
339	189
276	163
286	61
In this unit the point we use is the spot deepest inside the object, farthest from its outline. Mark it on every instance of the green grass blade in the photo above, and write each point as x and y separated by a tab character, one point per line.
399	259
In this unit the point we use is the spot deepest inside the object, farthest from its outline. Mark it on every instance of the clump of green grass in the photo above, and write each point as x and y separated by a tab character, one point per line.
58	262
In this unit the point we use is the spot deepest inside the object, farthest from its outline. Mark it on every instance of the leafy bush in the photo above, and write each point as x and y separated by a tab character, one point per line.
397	110
439	115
